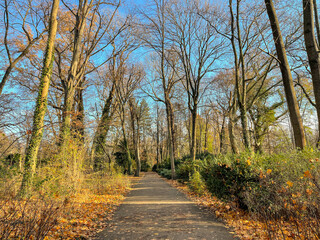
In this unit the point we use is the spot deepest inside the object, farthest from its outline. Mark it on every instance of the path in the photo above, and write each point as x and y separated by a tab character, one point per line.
155	210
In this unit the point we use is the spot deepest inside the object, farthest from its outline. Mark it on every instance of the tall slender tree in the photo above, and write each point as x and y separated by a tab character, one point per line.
41	104
312	47
91	26
198	47
294	112
157	39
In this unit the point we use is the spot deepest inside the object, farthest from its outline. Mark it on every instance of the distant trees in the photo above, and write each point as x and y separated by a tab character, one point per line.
198	47
129	80
140	119
157	38
116	70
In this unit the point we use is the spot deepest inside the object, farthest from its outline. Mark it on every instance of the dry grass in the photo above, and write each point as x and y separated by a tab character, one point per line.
64	214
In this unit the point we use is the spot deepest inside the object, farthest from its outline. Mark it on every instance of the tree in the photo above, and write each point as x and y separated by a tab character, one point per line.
135	125
116	68
225	99
128	80
313	52
22	49
41	104
239	80
263	116
103	127
198	47
291	98
140	119
157	39
90	28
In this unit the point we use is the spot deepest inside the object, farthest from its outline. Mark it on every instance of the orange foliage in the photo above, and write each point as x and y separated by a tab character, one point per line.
86	214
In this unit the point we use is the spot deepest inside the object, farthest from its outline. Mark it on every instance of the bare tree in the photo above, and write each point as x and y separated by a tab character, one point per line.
116	69
198	47
293	106
90	28
156	38
16	55
313	52
129	80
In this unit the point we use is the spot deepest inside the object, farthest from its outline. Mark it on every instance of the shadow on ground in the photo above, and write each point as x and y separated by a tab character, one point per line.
155	210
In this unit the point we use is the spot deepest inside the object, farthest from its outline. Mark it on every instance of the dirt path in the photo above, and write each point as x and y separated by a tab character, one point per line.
155	210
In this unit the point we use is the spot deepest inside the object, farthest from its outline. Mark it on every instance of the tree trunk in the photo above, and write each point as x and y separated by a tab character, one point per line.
170	143
41	105
5	78
135	134
232	138
78	116
232	110
316	20
193	133
244	125
189	123
293	106
66	115
158	136
200	137
172	127
241	85
241	94
222	135
206	133
102	131
126	145
73	78
137	150
313	53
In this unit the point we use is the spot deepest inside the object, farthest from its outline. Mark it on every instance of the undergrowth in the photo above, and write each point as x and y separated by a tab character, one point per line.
68	199
279	192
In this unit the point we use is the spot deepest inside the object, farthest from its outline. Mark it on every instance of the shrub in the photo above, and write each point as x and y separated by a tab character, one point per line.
155	168
288	194
186	168
165	173
30	218
230	182
196	183
145	166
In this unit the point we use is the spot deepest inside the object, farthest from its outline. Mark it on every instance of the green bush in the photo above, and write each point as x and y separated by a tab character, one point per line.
196	183
165	173
166	164
279	188
13	159
283	176
145	166
230	182
186	169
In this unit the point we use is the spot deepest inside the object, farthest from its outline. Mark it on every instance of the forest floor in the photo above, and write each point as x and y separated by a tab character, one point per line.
155	210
